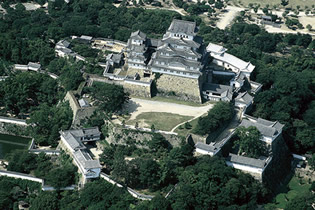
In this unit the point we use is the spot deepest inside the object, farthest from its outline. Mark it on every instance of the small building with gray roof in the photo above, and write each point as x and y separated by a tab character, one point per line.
72	142
253	166
217	92
206	149
243	100
268	129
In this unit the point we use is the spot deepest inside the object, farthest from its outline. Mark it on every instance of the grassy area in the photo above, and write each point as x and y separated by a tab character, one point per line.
161	120
292	3
293	189
173	100
182	131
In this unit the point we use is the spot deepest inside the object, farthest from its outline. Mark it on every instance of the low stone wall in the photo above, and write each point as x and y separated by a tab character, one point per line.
13	129
186	89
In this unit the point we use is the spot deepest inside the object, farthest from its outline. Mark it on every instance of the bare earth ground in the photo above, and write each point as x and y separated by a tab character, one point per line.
137	106
233	11
228	17
29	6
292	3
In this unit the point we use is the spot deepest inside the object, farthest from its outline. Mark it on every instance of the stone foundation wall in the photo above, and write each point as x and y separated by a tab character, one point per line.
13	129
186	89
137	90
72	102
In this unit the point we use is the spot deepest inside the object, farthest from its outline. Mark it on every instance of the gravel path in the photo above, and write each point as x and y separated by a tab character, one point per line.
137	106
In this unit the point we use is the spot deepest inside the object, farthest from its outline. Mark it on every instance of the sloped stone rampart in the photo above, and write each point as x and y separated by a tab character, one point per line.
138	90
186	89
118	135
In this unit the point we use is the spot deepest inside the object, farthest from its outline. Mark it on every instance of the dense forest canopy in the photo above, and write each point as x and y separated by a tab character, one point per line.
22	92
284	65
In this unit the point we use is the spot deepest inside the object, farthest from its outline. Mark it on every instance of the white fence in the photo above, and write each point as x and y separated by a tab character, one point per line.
13	121
131	191
21	176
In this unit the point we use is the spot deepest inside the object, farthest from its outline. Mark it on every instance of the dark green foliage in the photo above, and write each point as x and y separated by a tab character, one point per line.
110	98
48	121
249	142
158	142
62	176
69	72
157	203
71	77
20	92
142	173
12	190
311	163
45	200
219	115
84	50
103	195
301	202
21	161
210	183
43	165
293	22
287	81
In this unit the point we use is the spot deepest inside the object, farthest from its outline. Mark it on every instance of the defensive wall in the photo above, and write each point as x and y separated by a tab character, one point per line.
13	121
12	126
119	135
186	89
21	176
132	192
132	86
79	113
28	177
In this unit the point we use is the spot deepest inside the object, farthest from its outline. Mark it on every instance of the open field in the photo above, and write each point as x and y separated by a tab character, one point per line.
294	188
182	131
161	120
262	3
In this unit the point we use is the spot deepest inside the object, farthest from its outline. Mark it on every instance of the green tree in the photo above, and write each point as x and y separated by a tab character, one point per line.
284	2
47	121
210	183
21	161
158	142
62	176
45	200
249	142
311	162
219	115
309	27
21	92
110	98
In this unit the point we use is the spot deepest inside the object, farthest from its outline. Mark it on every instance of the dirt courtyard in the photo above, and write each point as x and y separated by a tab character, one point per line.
137	106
